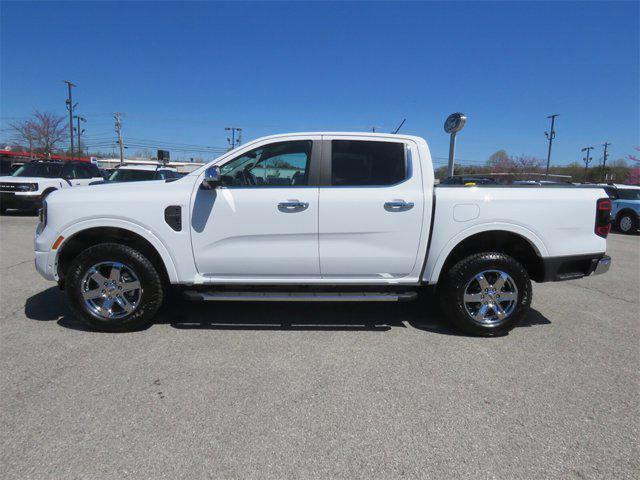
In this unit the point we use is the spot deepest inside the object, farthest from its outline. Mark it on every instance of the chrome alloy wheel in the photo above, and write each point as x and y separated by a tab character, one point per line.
111	290
490	297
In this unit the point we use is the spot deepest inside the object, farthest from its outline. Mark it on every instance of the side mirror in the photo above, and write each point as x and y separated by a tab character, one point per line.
212	178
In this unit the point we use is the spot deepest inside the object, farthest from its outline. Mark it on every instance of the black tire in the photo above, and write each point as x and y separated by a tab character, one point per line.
456	280
151	293
627	223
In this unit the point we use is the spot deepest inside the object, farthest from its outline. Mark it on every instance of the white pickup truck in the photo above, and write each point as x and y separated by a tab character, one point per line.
318	217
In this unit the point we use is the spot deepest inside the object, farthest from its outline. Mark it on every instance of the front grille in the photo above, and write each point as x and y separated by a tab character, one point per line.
9	187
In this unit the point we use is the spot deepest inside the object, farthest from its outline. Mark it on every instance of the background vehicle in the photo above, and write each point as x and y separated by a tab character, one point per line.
463	180
319	217
5	166
625	211
27	186
138	173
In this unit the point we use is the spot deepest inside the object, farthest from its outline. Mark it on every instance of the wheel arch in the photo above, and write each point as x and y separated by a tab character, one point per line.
80	238
627	210
527	248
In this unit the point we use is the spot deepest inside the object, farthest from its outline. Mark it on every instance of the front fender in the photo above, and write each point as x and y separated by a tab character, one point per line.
145	233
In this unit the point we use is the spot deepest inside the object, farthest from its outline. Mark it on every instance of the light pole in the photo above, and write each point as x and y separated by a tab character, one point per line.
452	125
550	135
587	161
118	118
232	141
80	132
70	107
604	161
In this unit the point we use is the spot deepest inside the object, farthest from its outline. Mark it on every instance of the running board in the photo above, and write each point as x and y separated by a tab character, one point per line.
301	296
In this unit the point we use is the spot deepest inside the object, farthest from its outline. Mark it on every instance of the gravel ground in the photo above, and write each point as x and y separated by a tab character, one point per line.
345	391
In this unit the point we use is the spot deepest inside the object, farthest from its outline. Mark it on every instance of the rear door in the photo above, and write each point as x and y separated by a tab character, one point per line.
371	207
263	222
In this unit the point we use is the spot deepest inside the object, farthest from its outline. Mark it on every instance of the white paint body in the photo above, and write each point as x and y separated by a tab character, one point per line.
345	236
43	184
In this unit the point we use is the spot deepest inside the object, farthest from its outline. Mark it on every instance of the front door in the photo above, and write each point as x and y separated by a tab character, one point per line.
263	222
371	208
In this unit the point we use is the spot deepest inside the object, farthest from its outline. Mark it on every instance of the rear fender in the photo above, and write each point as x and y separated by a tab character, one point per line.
434	267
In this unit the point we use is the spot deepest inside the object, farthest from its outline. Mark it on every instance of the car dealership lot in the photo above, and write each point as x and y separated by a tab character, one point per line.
320	390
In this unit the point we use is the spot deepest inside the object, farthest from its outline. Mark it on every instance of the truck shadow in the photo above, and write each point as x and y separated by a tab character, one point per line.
423	314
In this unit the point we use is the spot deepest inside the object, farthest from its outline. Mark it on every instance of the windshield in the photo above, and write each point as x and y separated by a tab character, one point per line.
5	167
46	170
125	175
629	194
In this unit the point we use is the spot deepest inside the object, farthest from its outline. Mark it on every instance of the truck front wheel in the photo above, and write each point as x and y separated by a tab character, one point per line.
113	287
486	294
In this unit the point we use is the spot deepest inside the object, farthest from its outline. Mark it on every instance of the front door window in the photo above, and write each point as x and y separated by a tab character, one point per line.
284	164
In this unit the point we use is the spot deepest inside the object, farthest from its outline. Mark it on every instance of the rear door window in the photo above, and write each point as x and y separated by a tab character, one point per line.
357	163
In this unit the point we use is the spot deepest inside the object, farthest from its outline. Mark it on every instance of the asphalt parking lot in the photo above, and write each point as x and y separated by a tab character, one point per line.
320	391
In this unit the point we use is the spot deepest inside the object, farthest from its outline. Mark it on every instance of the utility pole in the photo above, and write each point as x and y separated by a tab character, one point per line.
70	107
550	135
604	161
118	118
80	132
233	143
587	161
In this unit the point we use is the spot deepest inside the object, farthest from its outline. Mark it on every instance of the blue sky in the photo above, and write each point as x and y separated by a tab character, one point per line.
184	71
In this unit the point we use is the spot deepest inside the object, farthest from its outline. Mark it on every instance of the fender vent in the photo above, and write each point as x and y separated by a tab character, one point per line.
173	217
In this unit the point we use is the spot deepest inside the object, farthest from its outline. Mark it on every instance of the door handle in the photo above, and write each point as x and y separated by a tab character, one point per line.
292	206
398	205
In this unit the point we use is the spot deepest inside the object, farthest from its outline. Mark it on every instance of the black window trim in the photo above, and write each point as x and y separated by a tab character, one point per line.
314	165
325	170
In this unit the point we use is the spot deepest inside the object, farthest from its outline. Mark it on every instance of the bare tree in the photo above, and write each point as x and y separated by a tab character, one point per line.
43	133
24	133
527	163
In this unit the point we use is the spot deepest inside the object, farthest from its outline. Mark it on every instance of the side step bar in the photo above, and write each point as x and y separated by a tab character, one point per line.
301	296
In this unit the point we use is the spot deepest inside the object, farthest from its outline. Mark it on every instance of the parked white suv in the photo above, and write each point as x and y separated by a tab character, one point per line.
319	217
34	181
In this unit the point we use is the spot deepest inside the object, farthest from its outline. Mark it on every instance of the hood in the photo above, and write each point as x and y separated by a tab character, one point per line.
10	179
110	192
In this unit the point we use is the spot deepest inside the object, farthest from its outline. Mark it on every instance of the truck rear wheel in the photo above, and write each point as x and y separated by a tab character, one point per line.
113	287
486	294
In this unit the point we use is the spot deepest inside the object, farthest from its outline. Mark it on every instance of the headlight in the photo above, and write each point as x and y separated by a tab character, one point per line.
42	214
27	187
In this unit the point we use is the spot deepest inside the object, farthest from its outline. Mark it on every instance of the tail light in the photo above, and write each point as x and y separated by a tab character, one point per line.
603	217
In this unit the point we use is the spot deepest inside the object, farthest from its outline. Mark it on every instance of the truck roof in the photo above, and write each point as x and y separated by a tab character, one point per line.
349	134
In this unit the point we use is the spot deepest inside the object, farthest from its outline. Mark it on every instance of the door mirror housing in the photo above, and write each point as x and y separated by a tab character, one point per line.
212	178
